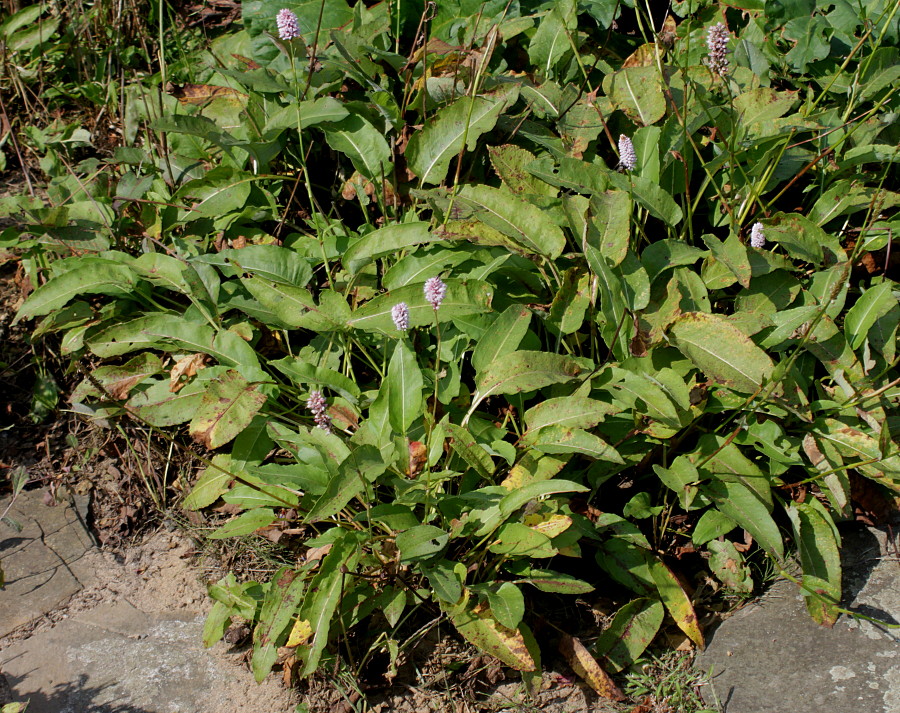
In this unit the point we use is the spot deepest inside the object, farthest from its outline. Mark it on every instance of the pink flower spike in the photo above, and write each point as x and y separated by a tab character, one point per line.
757	236
435	290
317	406
288	26
400	315
717	44
627	157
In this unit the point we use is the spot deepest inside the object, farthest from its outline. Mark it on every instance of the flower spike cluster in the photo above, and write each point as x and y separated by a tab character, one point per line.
400	315
435	290
757	236
316	405
627	157
288	26
717	44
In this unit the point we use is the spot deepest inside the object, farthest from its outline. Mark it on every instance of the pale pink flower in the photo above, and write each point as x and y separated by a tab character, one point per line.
435	290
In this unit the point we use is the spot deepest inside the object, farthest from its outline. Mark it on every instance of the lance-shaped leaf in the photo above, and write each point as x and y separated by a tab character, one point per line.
819	544
323	597
748	510
586	666
213	481
630	632
525	371
404	383
361	467
92	276
462	298
721	351
569	412
874	303
465	446
676	600
268	262
516	218
282	599
389	240
362	143
480	627
227	408
244	524
431	150
502	337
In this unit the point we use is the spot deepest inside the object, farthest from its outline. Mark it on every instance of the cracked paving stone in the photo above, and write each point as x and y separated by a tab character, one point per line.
771	657
44	562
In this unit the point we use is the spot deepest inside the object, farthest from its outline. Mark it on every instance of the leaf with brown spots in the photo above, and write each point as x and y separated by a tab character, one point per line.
226	409
586	666
185	367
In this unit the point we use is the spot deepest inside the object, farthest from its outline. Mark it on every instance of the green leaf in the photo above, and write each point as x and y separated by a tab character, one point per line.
465	446
295	307
819	542
510	164
610	218
559	439
244	524
521	371
874	303
747	509
517	540
268	262
629	634
552	40
651	196
362	143
389	240
422	543
637	91
118	380
568	412
453	127
524	222
548	581
360	468
864	449
729	567
213	481
800	237
305	113
502	337
721	351
507	604
90	276
444	580
323	596
712	524
732	254
301	371
217	622
285	593
227	408
537	489
404	382
463	297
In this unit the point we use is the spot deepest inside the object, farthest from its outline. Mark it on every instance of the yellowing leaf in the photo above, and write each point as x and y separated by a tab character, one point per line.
300	633
582	663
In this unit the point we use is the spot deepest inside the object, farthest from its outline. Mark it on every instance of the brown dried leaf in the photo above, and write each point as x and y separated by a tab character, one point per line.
418	456
203	93
586	666
185	367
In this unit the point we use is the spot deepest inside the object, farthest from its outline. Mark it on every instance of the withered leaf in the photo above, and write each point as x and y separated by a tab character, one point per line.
586	666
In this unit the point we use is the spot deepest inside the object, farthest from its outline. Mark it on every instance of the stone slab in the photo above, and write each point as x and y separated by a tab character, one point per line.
116	658
44	563
770	657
